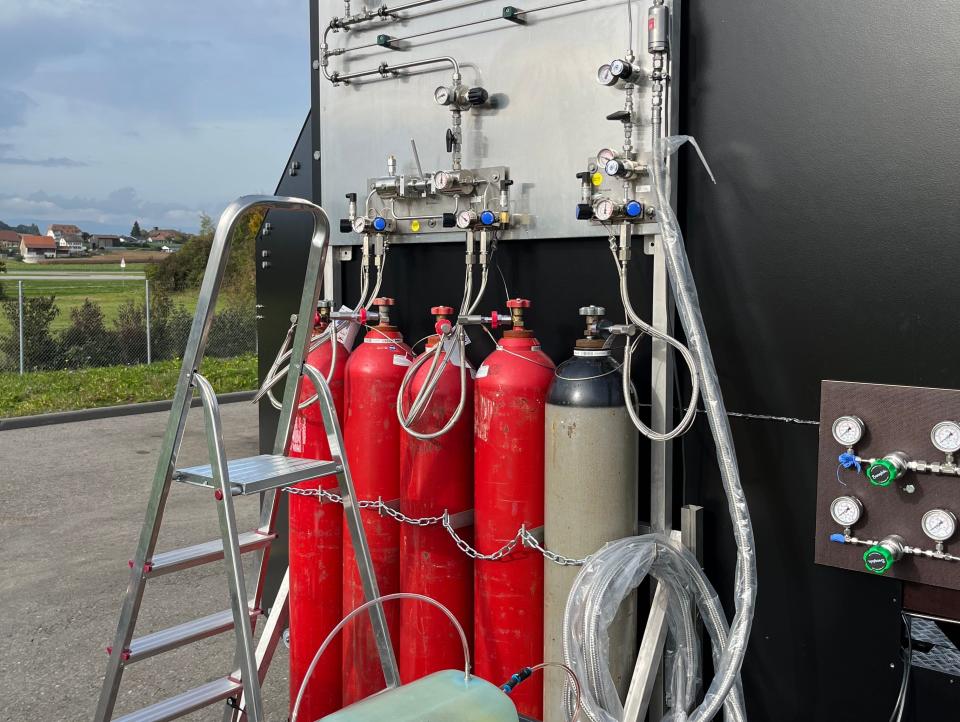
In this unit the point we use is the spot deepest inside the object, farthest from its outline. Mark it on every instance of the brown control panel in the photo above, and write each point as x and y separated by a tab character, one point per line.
890	505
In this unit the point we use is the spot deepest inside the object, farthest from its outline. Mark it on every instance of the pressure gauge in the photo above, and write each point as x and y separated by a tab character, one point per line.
442	95
605	75
359	224
605	156
946	436
465	219
846	510
939	524
604	209
443	180
848	430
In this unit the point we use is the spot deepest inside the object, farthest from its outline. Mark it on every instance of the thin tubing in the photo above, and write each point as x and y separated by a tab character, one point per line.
691	413
377	600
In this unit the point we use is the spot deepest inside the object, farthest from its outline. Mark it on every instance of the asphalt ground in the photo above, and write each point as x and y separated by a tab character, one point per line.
72	501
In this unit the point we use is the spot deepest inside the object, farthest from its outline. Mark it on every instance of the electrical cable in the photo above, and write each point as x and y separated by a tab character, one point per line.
901	703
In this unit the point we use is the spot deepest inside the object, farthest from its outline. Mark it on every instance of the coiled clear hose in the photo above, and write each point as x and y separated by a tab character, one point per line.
606	580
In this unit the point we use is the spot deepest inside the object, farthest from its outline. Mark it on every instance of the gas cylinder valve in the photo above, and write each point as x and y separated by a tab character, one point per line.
592	315
442	315
322	318
383	304
516	307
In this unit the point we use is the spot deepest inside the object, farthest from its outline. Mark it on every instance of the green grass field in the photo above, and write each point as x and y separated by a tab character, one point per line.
70	294
48	391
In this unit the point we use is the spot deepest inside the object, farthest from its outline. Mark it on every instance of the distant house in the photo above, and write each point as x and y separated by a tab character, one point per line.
56	230
69	238
165	235
70	246
168	249
33	248
9	241
105	241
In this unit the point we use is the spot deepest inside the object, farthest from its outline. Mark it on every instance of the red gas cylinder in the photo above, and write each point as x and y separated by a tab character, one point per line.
372	442
315	550
511	391
435	474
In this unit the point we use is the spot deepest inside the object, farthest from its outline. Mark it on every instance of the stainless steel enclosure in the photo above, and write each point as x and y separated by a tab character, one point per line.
546	115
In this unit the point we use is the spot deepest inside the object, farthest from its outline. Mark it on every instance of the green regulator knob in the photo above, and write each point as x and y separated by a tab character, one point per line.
883	472
880	557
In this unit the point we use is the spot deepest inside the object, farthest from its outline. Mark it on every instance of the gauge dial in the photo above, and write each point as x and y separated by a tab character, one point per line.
605	75
359	224
939	524
604	209
846	510
442	95
848	430
605	156
443	180
465	219
946	436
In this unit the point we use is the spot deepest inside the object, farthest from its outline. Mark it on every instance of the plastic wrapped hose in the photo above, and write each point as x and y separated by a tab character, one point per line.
727	668
610	577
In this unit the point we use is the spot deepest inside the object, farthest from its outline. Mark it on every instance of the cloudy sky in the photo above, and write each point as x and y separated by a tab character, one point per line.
115	110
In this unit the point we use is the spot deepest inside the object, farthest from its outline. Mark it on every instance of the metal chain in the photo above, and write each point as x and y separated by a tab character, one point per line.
522	537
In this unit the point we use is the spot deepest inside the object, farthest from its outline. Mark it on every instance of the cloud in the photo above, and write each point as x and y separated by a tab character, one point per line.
14	105
61	162
120	208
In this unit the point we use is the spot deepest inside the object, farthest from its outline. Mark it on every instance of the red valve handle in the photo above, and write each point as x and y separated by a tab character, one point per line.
494	319
518	303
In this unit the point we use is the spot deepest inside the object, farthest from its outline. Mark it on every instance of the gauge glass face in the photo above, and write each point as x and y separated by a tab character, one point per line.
604	209
443	180
946	436
442	95
617	67
605	75
605	156
939	524
359	224
848	430
465	218
846	510
612	167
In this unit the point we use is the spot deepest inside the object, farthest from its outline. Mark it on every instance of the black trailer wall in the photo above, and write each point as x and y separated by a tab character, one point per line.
828	249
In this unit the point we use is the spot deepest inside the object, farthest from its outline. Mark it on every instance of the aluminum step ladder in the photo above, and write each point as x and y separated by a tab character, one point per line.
264	475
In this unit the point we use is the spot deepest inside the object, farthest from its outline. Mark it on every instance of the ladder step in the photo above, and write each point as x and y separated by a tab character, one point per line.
173	637
211	551
260	473
187	702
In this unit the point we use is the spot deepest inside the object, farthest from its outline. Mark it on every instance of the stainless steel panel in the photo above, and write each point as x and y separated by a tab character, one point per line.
548	111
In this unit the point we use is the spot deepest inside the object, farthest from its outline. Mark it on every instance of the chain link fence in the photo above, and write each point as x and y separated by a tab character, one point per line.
54	324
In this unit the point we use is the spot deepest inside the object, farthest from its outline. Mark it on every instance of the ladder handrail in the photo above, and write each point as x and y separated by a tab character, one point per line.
170	446
219	468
